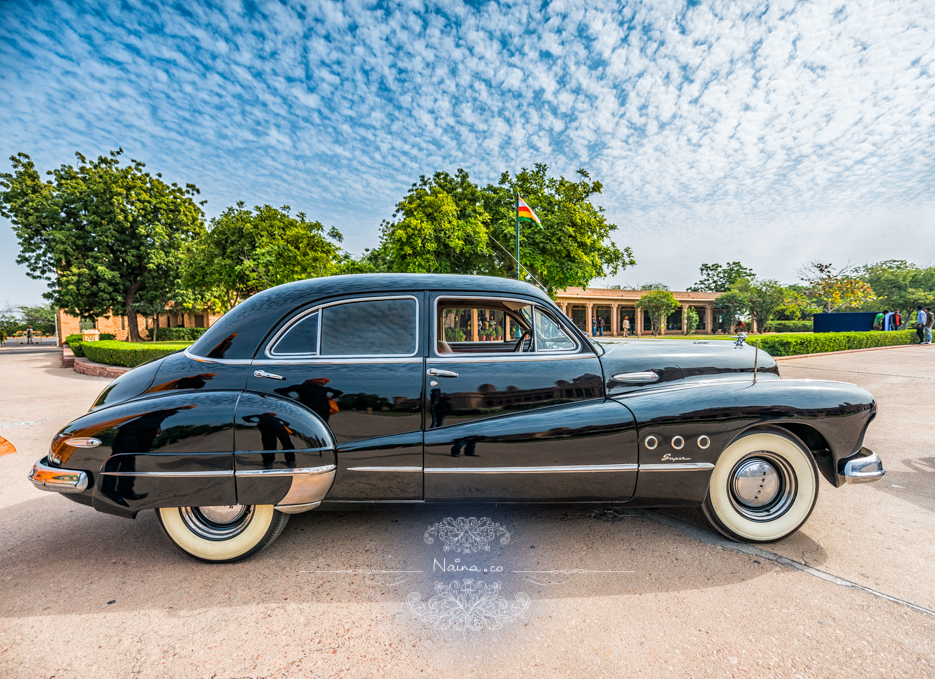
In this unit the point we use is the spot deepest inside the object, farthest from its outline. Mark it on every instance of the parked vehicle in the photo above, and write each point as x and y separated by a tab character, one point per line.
426	388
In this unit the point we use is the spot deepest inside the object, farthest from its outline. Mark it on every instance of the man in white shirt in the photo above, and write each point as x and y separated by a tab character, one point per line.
888	320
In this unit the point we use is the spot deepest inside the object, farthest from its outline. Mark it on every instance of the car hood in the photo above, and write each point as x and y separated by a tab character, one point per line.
680	359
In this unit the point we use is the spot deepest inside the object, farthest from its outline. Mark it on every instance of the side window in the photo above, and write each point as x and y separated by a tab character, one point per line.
300	340
482	326
550	336
379	327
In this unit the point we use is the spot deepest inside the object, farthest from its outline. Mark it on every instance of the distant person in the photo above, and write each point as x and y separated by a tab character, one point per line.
28	334
878	320
929	322
593	327
920	324
887	319
626	326
600	326
897	320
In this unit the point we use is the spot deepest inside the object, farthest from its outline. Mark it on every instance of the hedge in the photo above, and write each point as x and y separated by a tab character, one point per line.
791	345
127	353
74	342
178	334
789	326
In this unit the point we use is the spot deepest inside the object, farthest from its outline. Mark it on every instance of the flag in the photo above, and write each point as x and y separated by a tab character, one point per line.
525	213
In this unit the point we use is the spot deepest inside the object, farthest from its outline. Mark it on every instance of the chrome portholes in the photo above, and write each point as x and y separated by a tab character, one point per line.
678	442
703	442
650	442
762	486
217	523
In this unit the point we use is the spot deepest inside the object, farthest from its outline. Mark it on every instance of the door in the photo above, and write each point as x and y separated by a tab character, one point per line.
515	408
358	364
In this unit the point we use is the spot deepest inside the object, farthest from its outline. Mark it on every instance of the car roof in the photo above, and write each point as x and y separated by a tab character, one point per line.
239	332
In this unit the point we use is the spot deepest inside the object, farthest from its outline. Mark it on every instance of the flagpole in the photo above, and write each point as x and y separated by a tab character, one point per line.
516	196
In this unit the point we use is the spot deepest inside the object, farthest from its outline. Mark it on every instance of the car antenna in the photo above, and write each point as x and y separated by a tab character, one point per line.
756	357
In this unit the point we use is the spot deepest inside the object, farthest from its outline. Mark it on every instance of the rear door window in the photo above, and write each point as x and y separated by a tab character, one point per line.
377	327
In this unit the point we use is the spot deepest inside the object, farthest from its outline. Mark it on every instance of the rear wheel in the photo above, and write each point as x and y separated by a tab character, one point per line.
763	488
222	534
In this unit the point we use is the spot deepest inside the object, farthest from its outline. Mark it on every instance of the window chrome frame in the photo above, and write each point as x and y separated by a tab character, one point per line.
478	357
292	358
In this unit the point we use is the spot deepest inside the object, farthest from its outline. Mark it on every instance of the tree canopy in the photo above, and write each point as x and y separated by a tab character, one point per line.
899	284
657	304
718	278
100	233
246	251
448	224
835	287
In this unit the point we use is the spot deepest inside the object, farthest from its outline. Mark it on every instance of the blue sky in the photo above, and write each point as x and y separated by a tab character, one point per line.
769	132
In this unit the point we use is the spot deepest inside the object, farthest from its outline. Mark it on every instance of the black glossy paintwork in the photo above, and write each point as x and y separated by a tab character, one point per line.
680	359
276	433
838	413
177	414
129	385
593	432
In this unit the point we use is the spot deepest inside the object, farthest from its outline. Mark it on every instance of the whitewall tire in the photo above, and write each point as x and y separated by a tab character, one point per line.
763	487
222	534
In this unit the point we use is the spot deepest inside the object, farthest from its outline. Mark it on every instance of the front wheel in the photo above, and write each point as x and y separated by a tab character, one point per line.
222	534
763	487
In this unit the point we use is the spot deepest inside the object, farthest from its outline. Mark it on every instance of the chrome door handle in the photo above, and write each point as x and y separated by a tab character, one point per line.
435	372
263	373
646	376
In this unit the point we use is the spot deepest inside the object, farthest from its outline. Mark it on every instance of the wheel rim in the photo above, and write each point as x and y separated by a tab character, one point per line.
762	486
217	523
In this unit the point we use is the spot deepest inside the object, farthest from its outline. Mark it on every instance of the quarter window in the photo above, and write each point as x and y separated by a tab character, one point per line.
301	339
550	336
383	327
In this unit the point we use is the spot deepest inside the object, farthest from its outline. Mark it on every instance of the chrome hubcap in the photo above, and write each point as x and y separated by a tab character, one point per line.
755	482
762	486
217	523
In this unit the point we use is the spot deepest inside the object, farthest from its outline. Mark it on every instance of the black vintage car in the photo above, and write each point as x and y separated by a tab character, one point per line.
428	388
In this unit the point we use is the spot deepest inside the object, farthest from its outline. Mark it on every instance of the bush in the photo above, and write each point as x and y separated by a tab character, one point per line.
792	345
789	326
126	353
75	344
178	334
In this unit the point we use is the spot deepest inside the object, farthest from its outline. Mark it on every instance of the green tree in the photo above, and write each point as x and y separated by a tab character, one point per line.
41	317
736	305
718	278
691	321
440	226
763	298
99	233
246	251
899	284
573	246
657	304
835	288
652	286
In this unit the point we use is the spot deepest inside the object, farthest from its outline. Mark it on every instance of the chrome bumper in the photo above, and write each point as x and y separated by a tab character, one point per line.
864	467
60	480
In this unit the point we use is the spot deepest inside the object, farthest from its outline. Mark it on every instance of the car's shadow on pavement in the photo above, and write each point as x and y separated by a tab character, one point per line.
63	558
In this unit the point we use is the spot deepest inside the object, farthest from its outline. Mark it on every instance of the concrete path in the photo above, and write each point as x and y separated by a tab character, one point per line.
615	593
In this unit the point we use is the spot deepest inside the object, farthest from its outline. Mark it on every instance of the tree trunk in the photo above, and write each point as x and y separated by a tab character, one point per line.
132	322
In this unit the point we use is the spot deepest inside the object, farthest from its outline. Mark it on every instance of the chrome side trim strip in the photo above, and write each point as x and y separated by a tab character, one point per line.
230	361
384	469
297	509
298	471
677	467
315	360
171	474
371	502
534	470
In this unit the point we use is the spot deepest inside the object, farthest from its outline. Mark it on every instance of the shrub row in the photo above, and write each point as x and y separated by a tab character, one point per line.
127	353
178	334
792	345
789	326
74	342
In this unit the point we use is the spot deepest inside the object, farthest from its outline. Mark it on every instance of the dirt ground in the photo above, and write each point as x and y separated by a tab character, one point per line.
602	594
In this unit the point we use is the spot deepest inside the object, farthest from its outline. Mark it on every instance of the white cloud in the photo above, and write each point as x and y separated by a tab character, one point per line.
721	131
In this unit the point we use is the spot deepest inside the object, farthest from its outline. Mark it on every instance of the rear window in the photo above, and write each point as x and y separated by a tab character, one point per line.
379	327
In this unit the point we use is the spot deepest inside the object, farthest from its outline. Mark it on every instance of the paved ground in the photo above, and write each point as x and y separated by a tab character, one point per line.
88	595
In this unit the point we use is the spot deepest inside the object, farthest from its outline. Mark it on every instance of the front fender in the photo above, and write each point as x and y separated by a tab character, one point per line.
679	417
